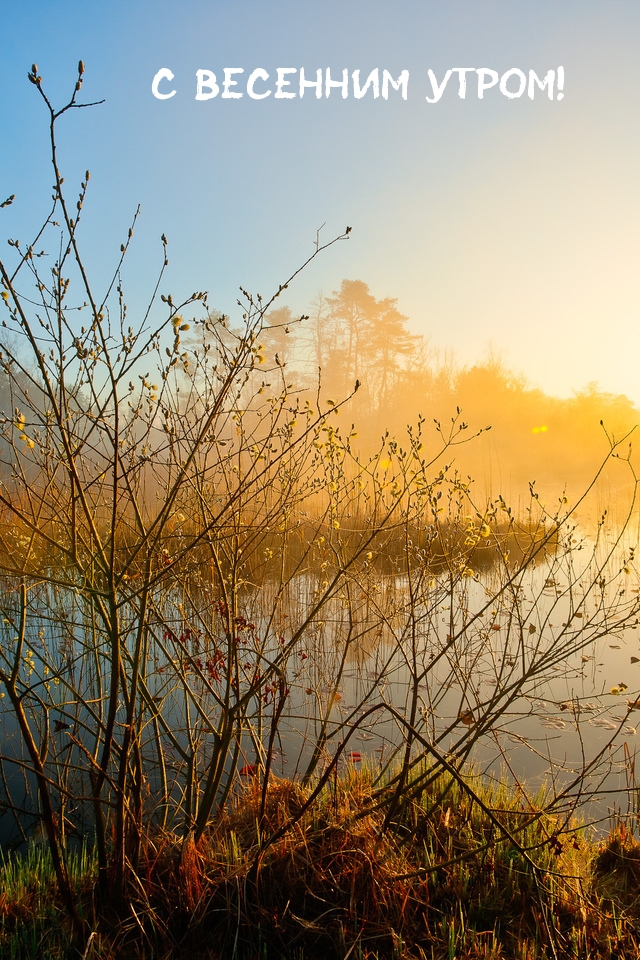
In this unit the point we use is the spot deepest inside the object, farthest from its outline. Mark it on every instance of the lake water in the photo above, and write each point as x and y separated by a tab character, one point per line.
532	676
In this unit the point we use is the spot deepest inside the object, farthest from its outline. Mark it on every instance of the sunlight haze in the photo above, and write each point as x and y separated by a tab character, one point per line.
509	224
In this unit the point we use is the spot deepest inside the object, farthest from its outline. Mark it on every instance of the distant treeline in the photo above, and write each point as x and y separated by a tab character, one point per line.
557	443
352	337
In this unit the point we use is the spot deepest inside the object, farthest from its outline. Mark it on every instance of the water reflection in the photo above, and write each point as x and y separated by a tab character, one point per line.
530	674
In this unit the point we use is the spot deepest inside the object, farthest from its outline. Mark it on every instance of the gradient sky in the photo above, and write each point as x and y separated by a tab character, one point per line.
495	222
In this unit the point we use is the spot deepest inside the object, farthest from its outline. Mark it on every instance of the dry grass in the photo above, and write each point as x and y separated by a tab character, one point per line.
333	885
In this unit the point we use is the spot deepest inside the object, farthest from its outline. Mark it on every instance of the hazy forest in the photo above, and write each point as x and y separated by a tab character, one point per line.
556	443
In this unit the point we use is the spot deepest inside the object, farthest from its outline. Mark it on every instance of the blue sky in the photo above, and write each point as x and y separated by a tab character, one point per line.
510	223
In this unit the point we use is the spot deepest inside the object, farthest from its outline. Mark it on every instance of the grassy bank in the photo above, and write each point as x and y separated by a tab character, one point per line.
448	879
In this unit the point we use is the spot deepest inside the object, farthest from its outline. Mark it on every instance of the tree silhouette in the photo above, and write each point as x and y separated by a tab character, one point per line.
278	335
354	310
389	344
370	339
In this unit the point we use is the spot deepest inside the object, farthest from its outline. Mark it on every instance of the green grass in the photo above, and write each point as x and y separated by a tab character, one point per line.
32	921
